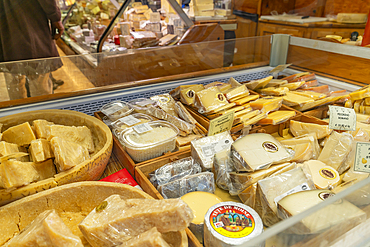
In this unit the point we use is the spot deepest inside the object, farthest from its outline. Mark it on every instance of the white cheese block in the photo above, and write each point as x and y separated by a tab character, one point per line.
339	212
324	177
258	151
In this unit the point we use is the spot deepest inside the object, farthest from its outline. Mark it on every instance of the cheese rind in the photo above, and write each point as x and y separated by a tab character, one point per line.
300	128
21	134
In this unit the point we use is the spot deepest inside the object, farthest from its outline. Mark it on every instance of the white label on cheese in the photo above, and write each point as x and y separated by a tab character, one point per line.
296	189
129	120
112	109
145	102
362	159
142	128
209	150
342	118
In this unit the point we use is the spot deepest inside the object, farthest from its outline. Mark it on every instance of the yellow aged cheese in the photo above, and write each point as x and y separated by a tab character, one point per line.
300	128
272	91
248	115
242	112
356	105
21	134
323	176
312	95
257	84
304	139
237	91
325	101
14	173
360	94
363	118
302	151
209	99
147	239
248	196
276	83
233	82
45	169
244	100
255	119
267	104
80	135
47	229
367	101
8	148
292	99
223	87
187	95
277	117
68	154
223	108
40	128
40	150
175	93
293	85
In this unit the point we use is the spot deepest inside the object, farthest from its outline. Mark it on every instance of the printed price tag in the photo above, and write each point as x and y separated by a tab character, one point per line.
221	124
296	189
112	109
342	118
362	158
129	120
142	128
145	102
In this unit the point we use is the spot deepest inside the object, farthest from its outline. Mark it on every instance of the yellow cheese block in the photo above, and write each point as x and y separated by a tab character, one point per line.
302	152
325	101
40	150
323	176
223	108
363	118
209	99
365	110
305	139
237	91
313	95
223	87
242	101
233	82
187	95
294	85
292	99
21	134
8	148
348	104
360	94
175	93
257	84
277	117
356	105
239	97
267	104
300	128
45	169
235	109
255	119
68	154
367	101
14	173
249	115
271	91
242	112
276	83
40	128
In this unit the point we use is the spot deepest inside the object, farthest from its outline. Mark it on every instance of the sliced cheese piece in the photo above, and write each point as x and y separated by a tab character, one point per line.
186	140
40	150
166	103
175	93
267	104
249	115
223	87
257	84
47	229
237	91
233	82
106	225
340	212
223	108
247	99
40	128
277	117
209	99
348	104
272	91
367	101
304	139
187	95
234	109
302	152
151	238
292	99
242	112
360	94
325	101
257	151
8	148
45	169
336	150
312	83
365	109
300	128
276	83
320	89
21	134
239	97
363	118
14	173
294	76
304	77
312	95
68	154
323	176
293	85
356	105
255	119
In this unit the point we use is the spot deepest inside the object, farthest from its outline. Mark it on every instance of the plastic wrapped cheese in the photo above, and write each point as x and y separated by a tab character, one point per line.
150	238
323	176
222	165
166	103
277	117
116	109
117	220
237	92
292	99
267	104
130	120
140	104
300	128
209	99
187	95
274	91
301	151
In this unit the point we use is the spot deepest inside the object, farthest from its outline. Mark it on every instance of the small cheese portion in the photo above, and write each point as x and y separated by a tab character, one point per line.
363	118
276	83
45	169
21	134
233	82
293	85
325	101
277	117
8	148
187	96
292	99
107	225
237	91
80	135
340	212
68	154
223	108
312	95
336	150
209	99
305	139
267	104
360	94
47	229
257	151
257	84
40	128
242	112
248	196
255	119
14	173
302	152
248	115
323	176
40	150
272	91
223	87
300	128
244	100
151	238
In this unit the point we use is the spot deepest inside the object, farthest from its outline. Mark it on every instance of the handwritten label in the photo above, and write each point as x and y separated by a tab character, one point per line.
342	118
142	128
362	158
129	120
221	124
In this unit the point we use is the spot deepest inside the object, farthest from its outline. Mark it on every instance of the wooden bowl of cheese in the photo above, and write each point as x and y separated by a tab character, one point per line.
73	202
89	169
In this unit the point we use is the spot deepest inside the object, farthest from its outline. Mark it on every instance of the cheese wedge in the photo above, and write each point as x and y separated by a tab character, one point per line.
320	89
209	99
312	95
248	195
223	108
21	134
277	117
272	91
293	85
323	176
175	93
233	82
276	83
360	94
40	150
223	87
249	115
151	238
291	99
106	225
47	229
302	152
242	112
312	83
360	135
242	101
237	91
238	97
255	119
257	84
14	173
187	95
166	103
45	169
294	76
68	154
304	139
320	102
8	148
267	104
40	128
300	128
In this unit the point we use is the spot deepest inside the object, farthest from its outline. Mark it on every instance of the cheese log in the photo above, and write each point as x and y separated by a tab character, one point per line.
360	94
40	128
209	99
257	84
257	151
237	91
14	173
309	138
300	128
272	189
47	229
323	176
267	104
244	100
291	99
312	95
336	150
293	85
277	117
21	134
187	96
68	154
151	238
8	148
107	225
272	91
340	212
40	150
45	169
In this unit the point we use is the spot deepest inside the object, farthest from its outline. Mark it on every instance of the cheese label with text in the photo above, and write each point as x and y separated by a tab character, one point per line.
142	128
342	118
362	158
129	120
221	124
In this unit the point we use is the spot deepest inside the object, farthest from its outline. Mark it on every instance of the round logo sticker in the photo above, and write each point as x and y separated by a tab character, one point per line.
232	222
190	93
220	97
326	195
164	99
270	147
327	173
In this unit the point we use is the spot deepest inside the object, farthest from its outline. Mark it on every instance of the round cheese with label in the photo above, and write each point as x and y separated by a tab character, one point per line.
231	224
324	177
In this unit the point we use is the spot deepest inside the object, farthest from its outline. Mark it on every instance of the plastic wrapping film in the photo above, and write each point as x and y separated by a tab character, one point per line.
360	135
198	182
174	170
179	123
323	176
304	139
149	238
300	128
203	150
209	99
222	166
140	104
258	151
166	103
116	109
129	121
117	220
47	229
184	113
362	118
272	189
